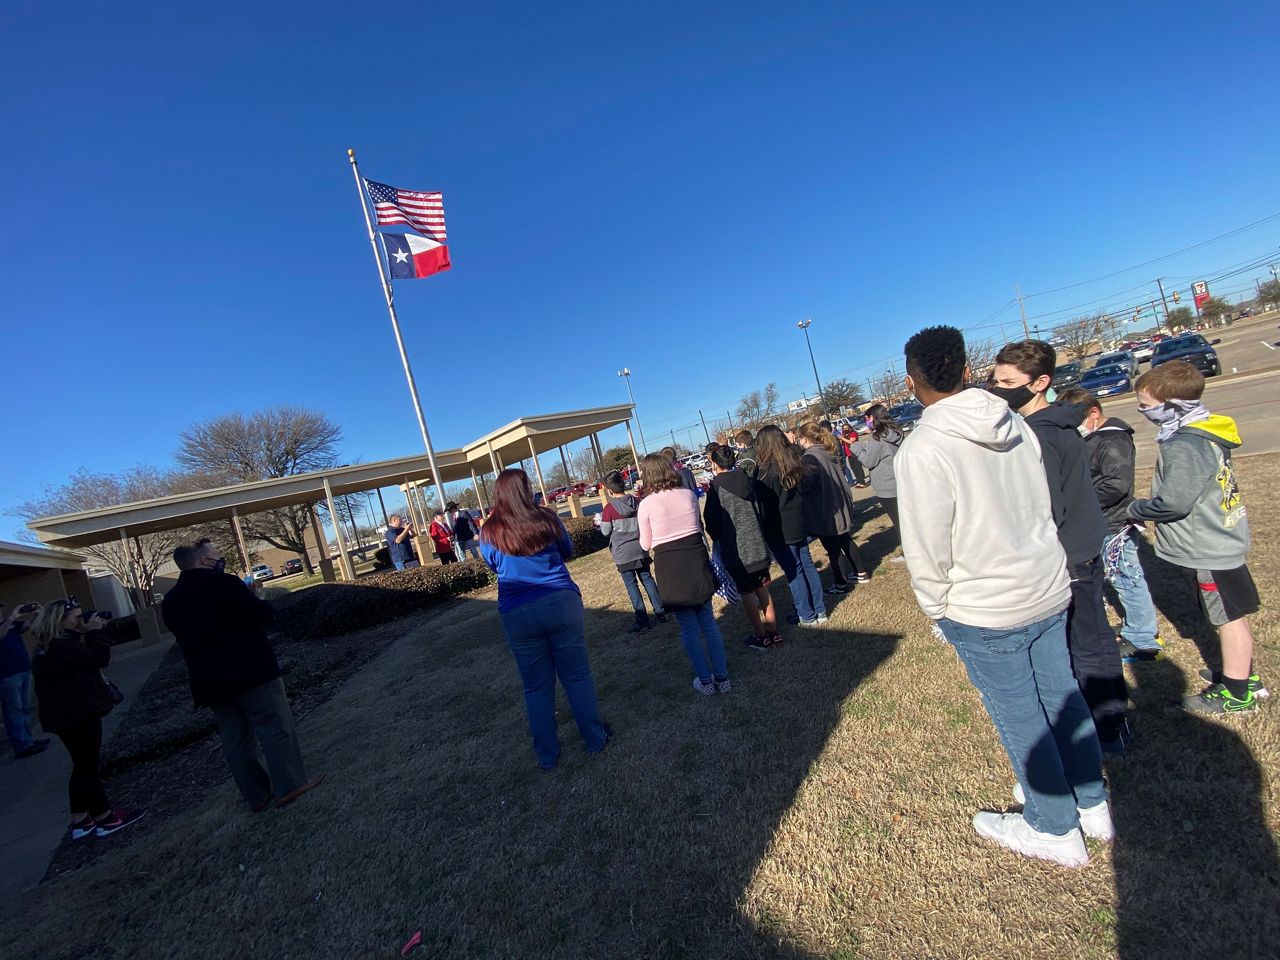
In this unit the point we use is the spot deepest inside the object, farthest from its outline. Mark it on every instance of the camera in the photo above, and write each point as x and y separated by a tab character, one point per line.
90	614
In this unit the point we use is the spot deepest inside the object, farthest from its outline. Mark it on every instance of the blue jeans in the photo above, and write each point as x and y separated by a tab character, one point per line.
695	620
547	640
471	546
406	564
1130	586
802	577
1025	679
15	698
629	578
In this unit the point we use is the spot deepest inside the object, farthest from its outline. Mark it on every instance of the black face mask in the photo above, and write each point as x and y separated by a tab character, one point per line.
1015	397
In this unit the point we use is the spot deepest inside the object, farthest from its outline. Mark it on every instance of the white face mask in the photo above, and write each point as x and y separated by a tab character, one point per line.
1084	429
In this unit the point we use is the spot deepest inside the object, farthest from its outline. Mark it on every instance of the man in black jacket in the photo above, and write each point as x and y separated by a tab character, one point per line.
1022	377
219	625
1109	442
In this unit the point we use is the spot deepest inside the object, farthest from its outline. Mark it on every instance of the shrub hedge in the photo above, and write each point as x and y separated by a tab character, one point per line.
330	609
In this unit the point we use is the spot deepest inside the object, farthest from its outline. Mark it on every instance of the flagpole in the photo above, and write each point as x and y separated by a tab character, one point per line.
395	325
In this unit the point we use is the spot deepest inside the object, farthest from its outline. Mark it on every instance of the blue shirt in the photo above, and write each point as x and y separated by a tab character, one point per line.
14	658
400	552
522	580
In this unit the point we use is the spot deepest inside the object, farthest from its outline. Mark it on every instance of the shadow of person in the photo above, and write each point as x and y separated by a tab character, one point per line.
1191	834
1169	593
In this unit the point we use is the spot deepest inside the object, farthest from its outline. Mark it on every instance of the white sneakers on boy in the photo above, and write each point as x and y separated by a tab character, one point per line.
1095	821
1010	830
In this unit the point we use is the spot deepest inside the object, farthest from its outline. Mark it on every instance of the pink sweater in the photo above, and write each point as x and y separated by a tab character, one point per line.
668	516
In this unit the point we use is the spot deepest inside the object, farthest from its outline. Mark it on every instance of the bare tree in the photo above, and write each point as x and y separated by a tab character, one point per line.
889	386
1082	336
277	442
143	556
757	407
981	355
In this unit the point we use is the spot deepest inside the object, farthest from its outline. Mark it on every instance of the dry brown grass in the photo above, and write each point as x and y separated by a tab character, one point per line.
821	810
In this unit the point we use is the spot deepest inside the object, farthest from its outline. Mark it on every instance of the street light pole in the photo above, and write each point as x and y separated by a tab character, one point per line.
804	325
625	373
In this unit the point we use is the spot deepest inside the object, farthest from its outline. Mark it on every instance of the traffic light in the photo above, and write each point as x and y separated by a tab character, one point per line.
1177	297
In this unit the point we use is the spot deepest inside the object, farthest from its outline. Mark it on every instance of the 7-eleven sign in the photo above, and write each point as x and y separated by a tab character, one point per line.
1200	290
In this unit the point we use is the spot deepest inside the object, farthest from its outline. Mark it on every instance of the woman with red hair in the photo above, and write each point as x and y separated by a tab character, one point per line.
541	609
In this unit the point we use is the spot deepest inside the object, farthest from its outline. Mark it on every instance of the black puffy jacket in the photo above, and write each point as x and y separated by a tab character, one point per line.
68	680
1076	513
1111	463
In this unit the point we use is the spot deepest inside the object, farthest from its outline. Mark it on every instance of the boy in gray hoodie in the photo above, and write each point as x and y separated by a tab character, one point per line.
1201	525
619	525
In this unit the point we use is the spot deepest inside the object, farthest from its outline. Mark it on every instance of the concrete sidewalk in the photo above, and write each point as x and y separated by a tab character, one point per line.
33	792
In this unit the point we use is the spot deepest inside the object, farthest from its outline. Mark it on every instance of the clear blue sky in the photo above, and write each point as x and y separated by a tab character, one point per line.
666	186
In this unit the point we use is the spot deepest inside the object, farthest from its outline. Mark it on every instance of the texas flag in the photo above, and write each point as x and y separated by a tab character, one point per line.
411	256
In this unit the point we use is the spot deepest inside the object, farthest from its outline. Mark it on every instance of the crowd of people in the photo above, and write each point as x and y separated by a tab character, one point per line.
1017	518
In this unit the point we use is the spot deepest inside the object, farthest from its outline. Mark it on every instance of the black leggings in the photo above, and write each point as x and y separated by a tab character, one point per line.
842	545
85	791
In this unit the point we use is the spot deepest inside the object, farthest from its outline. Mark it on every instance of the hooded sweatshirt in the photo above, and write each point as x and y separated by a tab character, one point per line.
732	518
829	512
1081	527
876	457
977	527
620	527
1195	499
1111	462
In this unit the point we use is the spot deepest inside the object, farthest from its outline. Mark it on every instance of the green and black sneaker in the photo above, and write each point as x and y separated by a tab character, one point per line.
1256	686
1216	698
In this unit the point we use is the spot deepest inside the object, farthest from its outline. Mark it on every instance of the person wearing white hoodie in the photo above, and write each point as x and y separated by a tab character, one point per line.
987	568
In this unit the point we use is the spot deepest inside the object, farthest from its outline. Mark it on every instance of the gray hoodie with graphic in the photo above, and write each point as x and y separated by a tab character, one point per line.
1195	501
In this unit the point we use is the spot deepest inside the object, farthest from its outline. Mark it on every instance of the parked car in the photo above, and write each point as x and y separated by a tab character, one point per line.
1108	379
559	494
291	566
1141	350
1066	375
1191	347
907	414
1122	358
262	572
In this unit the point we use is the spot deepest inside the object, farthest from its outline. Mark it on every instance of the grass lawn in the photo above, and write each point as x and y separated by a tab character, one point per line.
821	810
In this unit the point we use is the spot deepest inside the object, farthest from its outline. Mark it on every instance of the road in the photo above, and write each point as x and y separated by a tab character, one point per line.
1248	344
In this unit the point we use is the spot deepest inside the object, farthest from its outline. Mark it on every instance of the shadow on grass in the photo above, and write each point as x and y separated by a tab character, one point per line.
1192	834
1172	597
447	825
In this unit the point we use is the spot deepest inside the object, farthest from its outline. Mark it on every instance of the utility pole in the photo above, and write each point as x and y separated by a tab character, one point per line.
804	325
704	426
625	373
1026	334
1160	284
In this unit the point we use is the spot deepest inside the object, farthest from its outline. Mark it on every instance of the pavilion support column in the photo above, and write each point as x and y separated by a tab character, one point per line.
134	583
632	441
415	516
240	541
493	459
479	490
323	563
537	468
564	462
598	453
344	560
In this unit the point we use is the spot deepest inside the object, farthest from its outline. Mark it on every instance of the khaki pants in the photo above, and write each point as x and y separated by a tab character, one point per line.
261	717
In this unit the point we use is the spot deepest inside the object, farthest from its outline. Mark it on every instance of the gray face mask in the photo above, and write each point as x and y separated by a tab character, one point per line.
1161	413
1084	430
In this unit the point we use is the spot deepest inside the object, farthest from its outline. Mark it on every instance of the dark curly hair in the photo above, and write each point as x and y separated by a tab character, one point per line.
936	358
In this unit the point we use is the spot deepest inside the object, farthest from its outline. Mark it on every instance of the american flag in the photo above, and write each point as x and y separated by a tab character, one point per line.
422	211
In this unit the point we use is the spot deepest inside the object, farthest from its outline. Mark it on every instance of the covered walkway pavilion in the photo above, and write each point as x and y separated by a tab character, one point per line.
527	437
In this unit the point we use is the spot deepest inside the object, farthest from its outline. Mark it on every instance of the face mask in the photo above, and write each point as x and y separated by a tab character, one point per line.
1015	397
1084	429
1160	414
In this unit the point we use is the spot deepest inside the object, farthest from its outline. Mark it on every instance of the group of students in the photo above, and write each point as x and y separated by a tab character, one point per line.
453	533
1007	544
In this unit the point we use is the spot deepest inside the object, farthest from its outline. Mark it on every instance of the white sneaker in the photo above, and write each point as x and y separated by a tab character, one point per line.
1011	831
706	689
1094	821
